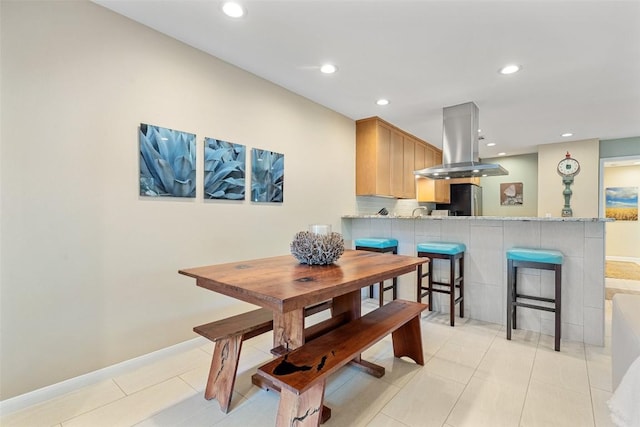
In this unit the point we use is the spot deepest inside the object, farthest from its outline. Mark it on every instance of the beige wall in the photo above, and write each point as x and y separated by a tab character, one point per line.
584	200
623	237
522	169
88	268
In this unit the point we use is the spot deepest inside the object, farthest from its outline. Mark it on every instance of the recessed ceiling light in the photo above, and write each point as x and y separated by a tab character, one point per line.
491	144
328	69
510	69
382	101
566	134
233	9
502	154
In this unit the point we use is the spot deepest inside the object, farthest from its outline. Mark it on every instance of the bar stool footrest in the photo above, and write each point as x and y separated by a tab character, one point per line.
552	300
537	307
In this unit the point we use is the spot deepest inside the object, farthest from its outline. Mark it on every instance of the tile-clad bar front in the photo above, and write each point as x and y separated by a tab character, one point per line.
487	239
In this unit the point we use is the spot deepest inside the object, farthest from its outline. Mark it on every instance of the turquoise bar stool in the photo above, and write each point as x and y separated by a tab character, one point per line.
452	252
543	259
383	245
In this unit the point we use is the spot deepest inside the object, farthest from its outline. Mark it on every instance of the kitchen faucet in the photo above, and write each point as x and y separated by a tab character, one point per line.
418	209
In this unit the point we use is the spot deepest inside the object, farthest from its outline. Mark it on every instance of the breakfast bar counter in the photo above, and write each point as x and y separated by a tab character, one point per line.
487	239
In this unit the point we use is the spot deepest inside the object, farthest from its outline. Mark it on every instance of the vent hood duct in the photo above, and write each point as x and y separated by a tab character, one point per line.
460	146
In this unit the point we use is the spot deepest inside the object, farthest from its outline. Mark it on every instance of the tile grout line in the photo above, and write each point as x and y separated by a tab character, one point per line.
526	393
124	396
467	384
593	410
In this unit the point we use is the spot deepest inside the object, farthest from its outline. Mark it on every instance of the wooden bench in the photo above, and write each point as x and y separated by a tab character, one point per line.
228	335
301	374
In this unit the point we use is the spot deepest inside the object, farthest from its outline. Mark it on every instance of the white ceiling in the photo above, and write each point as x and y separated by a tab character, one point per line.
580	59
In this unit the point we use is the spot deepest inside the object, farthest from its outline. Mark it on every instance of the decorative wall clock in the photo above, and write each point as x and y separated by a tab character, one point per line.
568	168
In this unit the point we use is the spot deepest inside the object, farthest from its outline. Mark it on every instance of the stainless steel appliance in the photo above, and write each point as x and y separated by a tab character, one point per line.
466	200
460	146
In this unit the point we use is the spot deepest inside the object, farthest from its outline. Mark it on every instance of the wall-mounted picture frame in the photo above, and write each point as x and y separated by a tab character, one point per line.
511	194
267	176
167	162
224	170
621	203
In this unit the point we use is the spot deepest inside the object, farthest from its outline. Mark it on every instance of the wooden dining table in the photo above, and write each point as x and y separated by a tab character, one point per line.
286	287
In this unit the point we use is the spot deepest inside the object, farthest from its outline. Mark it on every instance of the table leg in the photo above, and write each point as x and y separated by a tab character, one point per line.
350	303
288	329
347	303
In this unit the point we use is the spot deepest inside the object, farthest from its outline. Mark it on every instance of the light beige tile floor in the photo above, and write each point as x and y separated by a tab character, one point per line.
472	377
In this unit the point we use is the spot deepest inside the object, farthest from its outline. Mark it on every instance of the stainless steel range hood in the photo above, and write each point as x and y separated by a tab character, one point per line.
460	146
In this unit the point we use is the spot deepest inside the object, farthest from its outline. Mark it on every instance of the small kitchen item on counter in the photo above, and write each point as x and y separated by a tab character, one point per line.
419	208
440	212
383	212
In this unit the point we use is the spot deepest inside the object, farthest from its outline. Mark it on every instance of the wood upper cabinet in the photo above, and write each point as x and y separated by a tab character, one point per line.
385	160
419	156
373	149
433	190
474	180
396	166
408	181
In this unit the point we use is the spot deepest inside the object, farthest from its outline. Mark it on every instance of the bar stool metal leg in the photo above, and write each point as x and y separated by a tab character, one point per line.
452	292
558	304
461	264
515	297
510	306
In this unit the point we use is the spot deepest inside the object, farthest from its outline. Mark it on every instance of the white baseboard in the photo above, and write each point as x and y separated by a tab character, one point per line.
623	259
35	397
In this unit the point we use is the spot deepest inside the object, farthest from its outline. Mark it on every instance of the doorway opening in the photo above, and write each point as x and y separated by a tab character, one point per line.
620	184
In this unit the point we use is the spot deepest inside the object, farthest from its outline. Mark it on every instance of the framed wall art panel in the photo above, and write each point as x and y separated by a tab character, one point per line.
224	170
621	203
267	176
167	162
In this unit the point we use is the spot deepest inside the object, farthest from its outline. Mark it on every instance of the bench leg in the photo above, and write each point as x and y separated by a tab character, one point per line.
222	374
301	410
407	341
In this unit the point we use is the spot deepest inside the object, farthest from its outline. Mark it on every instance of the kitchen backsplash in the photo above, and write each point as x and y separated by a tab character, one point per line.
370	205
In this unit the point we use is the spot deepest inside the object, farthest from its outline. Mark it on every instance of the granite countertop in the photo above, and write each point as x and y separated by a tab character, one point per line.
489	218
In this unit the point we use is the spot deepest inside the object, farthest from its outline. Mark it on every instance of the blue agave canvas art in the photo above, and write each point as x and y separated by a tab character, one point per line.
167	162
224	170
267	176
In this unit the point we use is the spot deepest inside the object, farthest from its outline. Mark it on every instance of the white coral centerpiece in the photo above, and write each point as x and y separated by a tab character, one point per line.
311	248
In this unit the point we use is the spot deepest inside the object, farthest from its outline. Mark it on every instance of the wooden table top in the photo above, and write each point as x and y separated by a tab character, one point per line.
283	284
